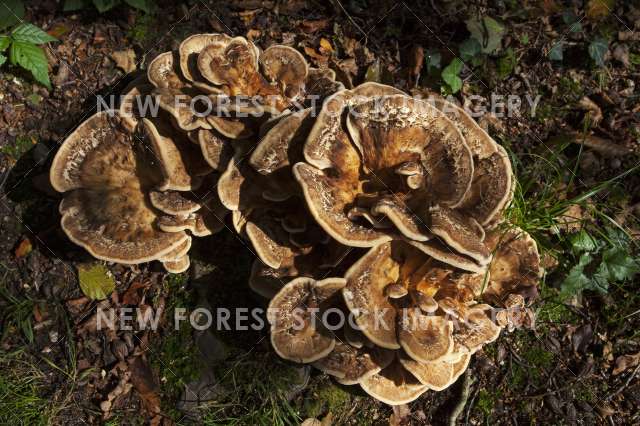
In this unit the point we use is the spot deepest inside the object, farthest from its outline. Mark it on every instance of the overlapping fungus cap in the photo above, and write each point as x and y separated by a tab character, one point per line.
106	174
269	209
227	86
186	194
380	165
418	319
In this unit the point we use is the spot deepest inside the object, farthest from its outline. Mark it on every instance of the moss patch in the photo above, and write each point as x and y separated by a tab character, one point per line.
327	398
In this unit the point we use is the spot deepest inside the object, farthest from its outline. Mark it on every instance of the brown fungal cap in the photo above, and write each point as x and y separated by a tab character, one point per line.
285	66
460	233
351	365
515	266
208	220
216	149
133	99
425	338
393	385
180	160
191	47
395	157
163	72
476	330
177	266
233	64
490	191
105	175
365	295
297	332
437	375
174	202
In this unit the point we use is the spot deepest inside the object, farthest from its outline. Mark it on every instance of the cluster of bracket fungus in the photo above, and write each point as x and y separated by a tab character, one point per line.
377	221
424	188
140	182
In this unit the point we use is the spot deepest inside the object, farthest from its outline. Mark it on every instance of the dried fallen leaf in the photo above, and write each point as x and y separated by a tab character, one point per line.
621	54
626	361
133	294
549	7
594	111
314	25
570	220
143	382
598	9
253	34
24	248
325	45
125	60
311	52
416	60
123	388
603	146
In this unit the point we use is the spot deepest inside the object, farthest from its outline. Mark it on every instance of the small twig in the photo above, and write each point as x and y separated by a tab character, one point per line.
626	384
464	396
470	406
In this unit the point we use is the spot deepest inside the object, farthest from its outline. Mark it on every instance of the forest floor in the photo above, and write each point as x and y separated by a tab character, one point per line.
576	152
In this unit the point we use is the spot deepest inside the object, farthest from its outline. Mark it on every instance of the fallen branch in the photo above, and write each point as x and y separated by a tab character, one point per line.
464	396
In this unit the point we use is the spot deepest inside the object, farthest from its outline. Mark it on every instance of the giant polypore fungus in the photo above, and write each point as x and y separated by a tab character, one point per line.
426	188
380	165
214	93
106	174
417	320
381	209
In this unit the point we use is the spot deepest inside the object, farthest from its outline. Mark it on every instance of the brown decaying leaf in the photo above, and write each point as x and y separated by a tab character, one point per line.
325	46
625	362
133	295
549	7
598	9
24	248
416	60
594	111
122	389
125	60
603	146
571	220
311	26
144	384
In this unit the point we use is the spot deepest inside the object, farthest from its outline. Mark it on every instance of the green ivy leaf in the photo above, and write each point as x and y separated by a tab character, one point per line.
469	49
582	242
619	264
577	281
450	75
96	281
31	34
3	59
32	58
11	12
556	52
143	5
5	41
104	5
598	49
487	31
572	20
